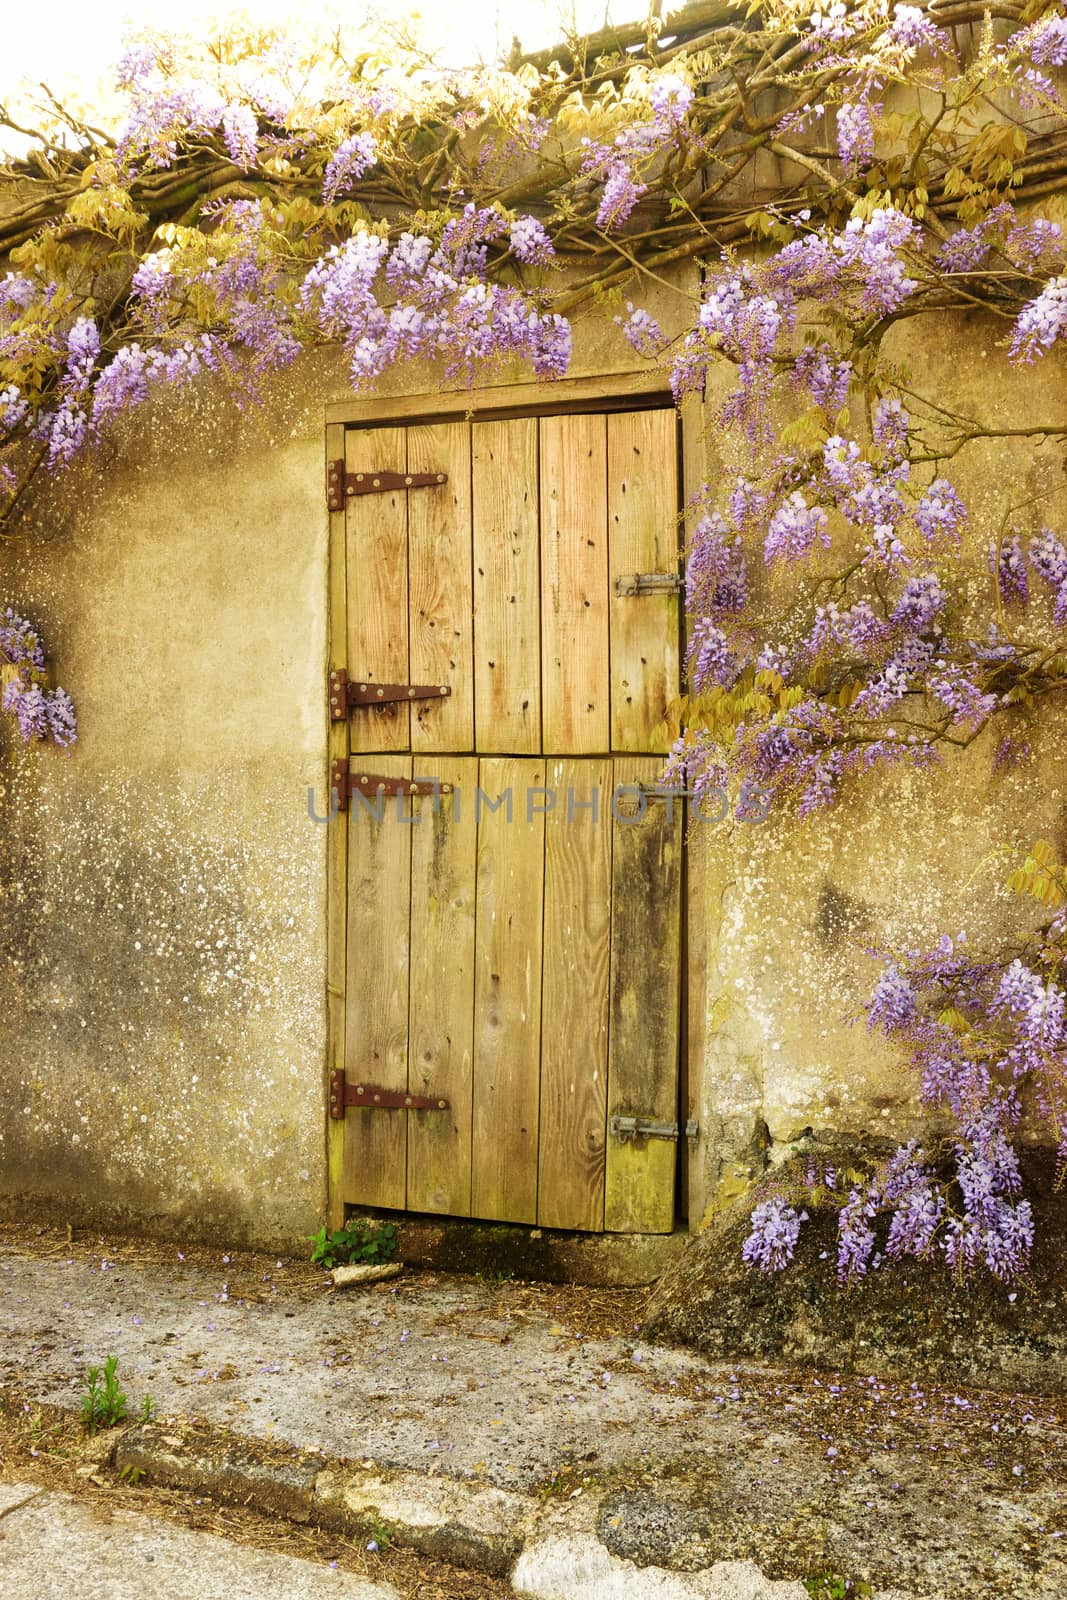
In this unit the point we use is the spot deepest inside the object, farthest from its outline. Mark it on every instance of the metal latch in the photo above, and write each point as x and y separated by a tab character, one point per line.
346	694
626	1128
345	783
342	485
649	583
373	1098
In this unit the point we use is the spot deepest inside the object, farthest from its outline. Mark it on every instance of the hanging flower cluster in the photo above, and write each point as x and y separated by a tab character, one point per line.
39	712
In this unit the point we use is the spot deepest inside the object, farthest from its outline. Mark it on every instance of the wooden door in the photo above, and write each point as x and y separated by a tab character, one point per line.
514	937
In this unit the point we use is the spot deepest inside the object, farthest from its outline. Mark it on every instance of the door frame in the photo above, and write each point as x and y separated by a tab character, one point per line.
622	391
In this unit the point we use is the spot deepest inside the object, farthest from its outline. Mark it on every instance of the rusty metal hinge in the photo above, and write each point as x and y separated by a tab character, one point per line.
342	485
346	783
373	1098
626	1128
649	583
345	695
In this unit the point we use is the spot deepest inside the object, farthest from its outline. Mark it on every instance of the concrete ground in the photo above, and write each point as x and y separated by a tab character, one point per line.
54	1547
488	1424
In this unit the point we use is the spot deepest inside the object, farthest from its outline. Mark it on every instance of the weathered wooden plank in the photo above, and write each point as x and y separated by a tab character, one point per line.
598	388
645	1003
700	466
336	848
376	1043
574	585
507	992
643	536
507	607
574	1027
377	580
442	987
439	568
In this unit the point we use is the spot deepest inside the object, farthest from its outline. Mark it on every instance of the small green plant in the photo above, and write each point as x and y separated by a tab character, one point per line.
103	1403
131	1474
380	1536
148	1408
828	1586
358	1240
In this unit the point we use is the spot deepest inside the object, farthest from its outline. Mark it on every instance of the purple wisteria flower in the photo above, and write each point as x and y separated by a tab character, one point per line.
855	133
773	1240
240	135
824	376
1012	575
794	528
709	658
940	513
642	331
354	157
1041	323
530	242
1045	41
1048	558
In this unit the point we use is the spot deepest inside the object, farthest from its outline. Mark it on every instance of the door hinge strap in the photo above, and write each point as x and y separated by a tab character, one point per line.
342	485
647	1128
346	694
346	783
649	583
373	1098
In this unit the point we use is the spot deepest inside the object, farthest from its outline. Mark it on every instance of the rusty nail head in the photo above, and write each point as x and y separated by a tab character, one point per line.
407	480
377	483
440	1105
444	688
359	477
380	693
363	688
350	491
411	694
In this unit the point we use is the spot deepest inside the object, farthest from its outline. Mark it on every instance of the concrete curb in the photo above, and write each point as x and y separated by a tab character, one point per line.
471	1525
548	1549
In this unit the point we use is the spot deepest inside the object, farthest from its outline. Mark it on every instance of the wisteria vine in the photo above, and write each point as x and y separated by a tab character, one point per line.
255	197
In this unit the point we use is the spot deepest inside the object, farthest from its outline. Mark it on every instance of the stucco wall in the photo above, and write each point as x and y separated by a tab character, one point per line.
162	889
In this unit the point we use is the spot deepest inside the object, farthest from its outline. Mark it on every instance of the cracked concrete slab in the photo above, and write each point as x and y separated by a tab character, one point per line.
55	1546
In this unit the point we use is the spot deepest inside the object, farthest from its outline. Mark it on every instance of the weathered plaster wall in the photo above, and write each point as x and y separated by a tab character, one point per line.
792	909
162	889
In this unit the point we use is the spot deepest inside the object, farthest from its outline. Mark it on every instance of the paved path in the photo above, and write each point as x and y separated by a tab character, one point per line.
676	1462
54	1547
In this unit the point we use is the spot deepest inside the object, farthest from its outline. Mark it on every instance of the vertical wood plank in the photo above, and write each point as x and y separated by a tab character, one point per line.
377	580
439	564
574	1027
645	1002
336	849
574	585
507	994
442	987
507	607
643	536
376	1045
700	466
